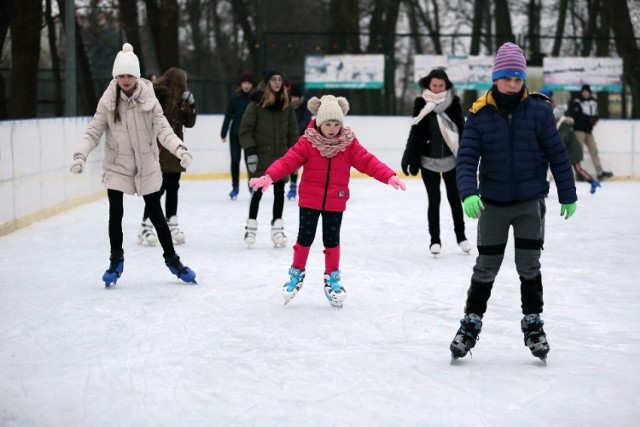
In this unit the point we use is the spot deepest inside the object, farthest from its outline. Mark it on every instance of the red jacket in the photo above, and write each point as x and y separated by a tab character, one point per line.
324	184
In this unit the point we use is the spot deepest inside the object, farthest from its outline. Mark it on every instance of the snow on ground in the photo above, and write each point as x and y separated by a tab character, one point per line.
226	352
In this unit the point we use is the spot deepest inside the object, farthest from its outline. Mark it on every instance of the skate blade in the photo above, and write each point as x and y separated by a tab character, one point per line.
109	284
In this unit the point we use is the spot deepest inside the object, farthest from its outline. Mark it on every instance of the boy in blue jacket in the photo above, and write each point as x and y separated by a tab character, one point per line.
509	141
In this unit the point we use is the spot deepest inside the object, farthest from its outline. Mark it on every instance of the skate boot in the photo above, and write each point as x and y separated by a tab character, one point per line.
250	232
293	191
183	272
435	248
534	336
176	234
116	266
465	246
234	192
147	234
335	293
291	288
467	335
277	234
602	175
595	184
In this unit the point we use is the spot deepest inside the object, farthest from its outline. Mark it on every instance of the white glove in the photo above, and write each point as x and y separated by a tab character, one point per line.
188	97
184	156
78	164
252	163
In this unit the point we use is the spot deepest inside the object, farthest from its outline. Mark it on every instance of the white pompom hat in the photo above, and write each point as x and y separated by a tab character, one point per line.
126	62
328	108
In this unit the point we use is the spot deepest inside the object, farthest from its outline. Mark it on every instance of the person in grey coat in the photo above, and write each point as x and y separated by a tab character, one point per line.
131	118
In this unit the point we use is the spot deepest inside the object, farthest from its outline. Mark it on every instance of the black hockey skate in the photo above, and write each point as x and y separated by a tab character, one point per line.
467	335
183	272
534	336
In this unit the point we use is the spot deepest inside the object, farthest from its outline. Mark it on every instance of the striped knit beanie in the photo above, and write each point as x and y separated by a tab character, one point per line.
509	62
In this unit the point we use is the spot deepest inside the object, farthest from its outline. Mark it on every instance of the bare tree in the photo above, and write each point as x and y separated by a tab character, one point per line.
163	19
55	61
628	49
5	21
562	16
129	19
25	53
504	31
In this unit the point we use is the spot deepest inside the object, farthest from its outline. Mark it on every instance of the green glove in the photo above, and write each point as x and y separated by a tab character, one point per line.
567	210
472	206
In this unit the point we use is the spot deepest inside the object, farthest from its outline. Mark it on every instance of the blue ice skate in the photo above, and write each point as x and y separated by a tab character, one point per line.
293	191
183	272
291	288
234	192
116	267
335	293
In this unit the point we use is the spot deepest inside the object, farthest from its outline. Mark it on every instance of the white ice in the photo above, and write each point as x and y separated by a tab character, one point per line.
152	351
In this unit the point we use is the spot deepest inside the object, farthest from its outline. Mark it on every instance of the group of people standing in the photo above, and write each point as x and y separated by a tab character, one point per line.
493	164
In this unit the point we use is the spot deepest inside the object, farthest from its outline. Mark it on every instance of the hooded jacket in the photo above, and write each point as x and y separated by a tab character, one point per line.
325	181
513	152
131	161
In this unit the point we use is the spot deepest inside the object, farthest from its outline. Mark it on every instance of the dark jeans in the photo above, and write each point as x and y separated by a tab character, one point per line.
331	223
431	182
153	206
170	186
278	201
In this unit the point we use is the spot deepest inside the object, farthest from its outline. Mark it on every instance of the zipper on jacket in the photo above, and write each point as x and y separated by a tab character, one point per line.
326	185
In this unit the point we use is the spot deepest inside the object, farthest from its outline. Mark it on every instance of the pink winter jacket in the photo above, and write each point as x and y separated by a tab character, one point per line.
324	184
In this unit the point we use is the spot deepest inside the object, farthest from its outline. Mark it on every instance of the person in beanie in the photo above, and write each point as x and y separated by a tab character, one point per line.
509	142
431	150
303	116
179	108
327	150
584	110
231	125
267	130
132	119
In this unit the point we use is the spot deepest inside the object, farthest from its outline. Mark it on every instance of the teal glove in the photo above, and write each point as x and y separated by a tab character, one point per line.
567	210
472	206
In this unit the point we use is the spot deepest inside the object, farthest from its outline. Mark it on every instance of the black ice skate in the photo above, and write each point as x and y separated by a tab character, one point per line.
534	336
467	335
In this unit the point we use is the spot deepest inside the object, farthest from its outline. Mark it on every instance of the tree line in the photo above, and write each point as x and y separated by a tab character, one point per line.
216	40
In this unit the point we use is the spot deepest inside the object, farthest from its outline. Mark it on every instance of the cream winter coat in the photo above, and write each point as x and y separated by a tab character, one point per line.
131	161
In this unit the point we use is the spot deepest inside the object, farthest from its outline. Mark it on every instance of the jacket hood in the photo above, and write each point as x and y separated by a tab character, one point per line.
488	99
143	95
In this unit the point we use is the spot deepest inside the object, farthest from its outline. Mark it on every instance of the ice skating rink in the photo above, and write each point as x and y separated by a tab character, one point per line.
153	351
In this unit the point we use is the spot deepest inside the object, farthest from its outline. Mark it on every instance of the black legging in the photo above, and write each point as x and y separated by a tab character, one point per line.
153	206
170	185
278	201
236	156
432	184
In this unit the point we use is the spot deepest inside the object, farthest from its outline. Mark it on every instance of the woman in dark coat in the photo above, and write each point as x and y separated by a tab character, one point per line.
432	148
179	108
269	127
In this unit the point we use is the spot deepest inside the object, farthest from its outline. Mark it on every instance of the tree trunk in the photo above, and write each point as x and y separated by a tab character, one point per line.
602	50
25	54
55	62
562	16
504	32
627	48
593	9
168	50
6	8
129	18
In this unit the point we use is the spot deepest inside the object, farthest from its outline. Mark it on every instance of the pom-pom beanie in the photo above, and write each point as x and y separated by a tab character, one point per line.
328	108
126	62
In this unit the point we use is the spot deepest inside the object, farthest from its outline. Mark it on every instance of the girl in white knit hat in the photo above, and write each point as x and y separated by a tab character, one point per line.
327	150
131	117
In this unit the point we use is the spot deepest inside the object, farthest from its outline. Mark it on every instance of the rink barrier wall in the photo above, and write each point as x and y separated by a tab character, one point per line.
36	155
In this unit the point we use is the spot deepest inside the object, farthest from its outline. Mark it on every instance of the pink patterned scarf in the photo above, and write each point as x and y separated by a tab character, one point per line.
329	147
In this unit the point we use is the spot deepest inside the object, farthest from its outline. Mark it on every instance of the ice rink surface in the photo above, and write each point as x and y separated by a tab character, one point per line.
153	351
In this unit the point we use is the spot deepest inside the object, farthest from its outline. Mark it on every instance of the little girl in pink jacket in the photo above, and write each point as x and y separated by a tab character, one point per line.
327	150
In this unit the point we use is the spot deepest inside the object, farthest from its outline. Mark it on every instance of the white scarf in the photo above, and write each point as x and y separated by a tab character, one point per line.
438	103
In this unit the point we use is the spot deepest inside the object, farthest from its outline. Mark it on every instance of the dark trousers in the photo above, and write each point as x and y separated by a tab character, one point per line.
170	186
236	155
331	223
527	220
278	201
431	182
153	206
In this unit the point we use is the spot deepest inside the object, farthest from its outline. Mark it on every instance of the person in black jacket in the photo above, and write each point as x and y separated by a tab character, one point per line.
584	110
233	117
303	115
432	148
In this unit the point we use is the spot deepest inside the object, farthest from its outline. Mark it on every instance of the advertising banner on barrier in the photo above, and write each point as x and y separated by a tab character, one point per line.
570	73
465	72
344	72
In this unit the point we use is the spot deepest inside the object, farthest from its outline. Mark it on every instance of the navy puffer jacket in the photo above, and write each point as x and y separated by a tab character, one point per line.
514	153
